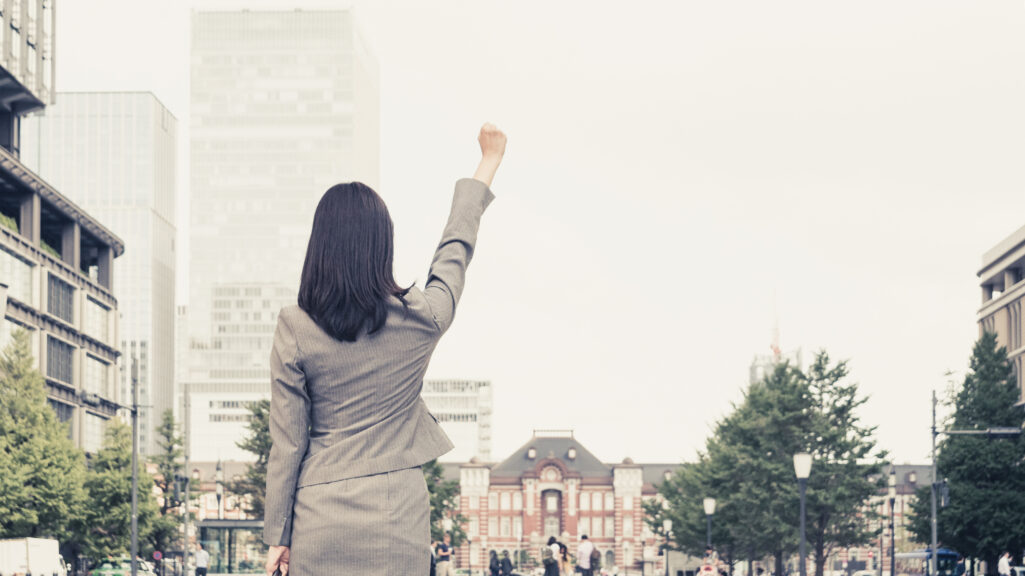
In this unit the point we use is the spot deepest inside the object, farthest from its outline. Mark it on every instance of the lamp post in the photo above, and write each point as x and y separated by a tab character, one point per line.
709	510
802	467
892	482
667	526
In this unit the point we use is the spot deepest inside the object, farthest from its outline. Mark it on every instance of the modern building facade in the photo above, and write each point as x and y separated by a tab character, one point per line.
231	372
56	260
1002	278
284	105
115	155
463	408
554	486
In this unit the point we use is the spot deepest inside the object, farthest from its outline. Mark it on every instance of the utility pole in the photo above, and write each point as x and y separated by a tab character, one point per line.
188	483
135	465
935	552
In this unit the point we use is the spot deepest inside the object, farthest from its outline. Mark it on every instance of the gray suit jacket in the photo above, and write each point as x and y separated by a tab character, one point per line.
348	409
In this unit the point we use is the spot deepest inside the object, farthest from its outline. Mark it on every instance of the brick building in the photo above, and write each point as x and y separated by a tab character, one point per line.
554	486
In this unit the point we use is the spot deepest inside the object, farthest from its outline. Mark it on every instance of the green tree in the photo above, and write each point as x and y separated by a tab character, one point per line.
168	460
847	469
984	476
107	523
252	486
41	491
444	495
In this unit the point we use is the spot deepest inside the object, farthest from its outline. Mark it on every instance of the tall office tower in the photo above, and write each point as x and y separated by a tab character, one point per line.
114	154
56	260
463	408
284	105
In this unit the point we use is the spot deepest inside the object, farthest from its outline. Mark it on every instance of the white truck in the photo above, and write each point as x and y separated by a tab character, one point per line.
31	557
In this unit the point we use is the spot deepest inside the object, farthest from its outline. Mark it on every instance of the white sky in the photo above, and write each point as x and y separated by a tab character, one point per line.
671	166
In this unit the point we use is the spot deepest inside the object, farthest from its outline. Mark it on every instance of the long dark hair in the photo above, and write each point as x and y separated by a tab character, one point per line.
347	277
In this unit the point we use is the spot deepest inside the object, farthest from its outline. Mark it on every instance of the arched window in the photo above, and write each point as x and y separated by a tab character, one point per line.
610	558
551	527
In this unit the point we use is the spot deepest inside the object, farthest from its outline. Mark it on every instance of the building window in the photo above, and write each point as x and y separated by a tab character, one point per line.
493	501
517	503
64	412
517	527
505	501
628	503
584	526
474	502
60	299
506	527
610	501
551	527
92	439
492	525
59	360
596	501
585	501
474	530
552	503
628	526
96	320
596	527
610	527
96	377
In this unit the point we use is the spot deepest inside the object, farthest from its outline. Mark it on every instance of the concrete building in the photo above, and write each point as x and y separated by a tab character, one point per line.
463	408
554	486
114	154
56	261
230	373
284	105
1002	278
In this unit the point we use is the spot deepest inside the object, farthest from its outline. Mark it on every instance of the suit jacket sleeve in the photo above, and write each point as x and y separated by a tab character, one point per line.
448	270
290	434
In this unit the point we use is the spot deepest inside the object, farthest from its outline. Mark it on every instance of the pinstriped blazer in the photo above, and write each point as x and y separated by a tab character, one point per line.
347	409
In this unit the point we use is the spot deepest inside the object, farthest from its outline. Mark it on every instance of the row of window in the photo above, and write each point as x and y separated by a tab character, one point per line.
448	417
232	403
60	302
596	501
231	417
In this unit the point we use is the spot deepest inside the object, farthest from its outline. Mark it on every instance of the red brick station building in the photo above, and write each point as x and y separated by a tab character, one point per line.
553	486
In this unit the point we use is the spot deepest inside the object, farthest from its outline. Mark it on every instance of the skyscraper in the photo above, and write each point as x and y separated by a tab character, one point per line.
114	154
284	105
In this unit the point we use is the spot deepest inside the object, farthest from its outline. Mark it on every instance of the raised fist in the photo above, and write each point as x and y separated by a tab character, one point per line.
492	141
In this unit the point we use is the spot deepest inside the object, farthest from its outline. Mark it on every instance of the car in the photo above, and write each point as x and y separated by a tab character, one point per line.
122	567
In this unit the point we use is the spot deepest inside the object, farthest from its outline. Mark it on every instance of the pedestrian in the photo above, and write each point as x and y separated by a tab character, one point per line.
1004	565
445	556
507	566
349	429
202	560
563	559
434	558
584	550
549	557
493	565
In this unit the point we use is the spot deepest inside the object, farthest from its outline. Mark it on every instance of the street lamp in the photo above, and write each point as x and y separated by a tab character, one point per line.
802	467
667	526
709	510
892	482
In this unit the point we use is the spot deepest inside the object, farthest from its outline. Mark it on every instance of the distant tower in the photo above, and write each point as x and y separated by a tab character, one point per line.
764	364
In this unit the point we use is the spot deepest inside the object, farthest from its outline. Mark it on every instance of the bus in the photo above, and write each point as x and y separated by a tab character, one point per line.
918	563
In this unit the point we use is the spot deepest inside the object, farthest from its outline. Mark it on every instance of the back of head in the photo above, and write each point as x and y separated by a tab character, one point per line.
347	276
551	540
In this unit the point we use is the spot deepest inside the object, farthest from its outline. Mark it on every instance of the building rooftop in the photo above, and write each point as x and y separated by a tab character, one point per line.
996	253
551	444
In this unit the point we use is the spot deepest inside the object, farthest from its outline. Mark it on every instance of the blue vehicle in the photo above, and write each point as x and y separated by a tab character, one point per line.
918	563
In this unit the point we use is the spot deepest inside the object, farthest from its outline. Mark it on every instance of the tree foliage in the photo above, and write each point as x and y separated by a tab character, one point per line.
252	486
107	524
984	476
444	495
41	492
168	460
747	466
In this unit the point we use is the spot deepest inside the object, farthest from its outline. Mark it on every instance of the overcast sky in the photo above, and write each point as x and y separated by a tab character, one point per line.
678	174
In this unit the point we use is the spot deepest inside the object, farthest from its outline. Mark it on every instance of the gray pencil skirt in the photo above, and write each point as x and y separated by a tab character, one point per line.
367	526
